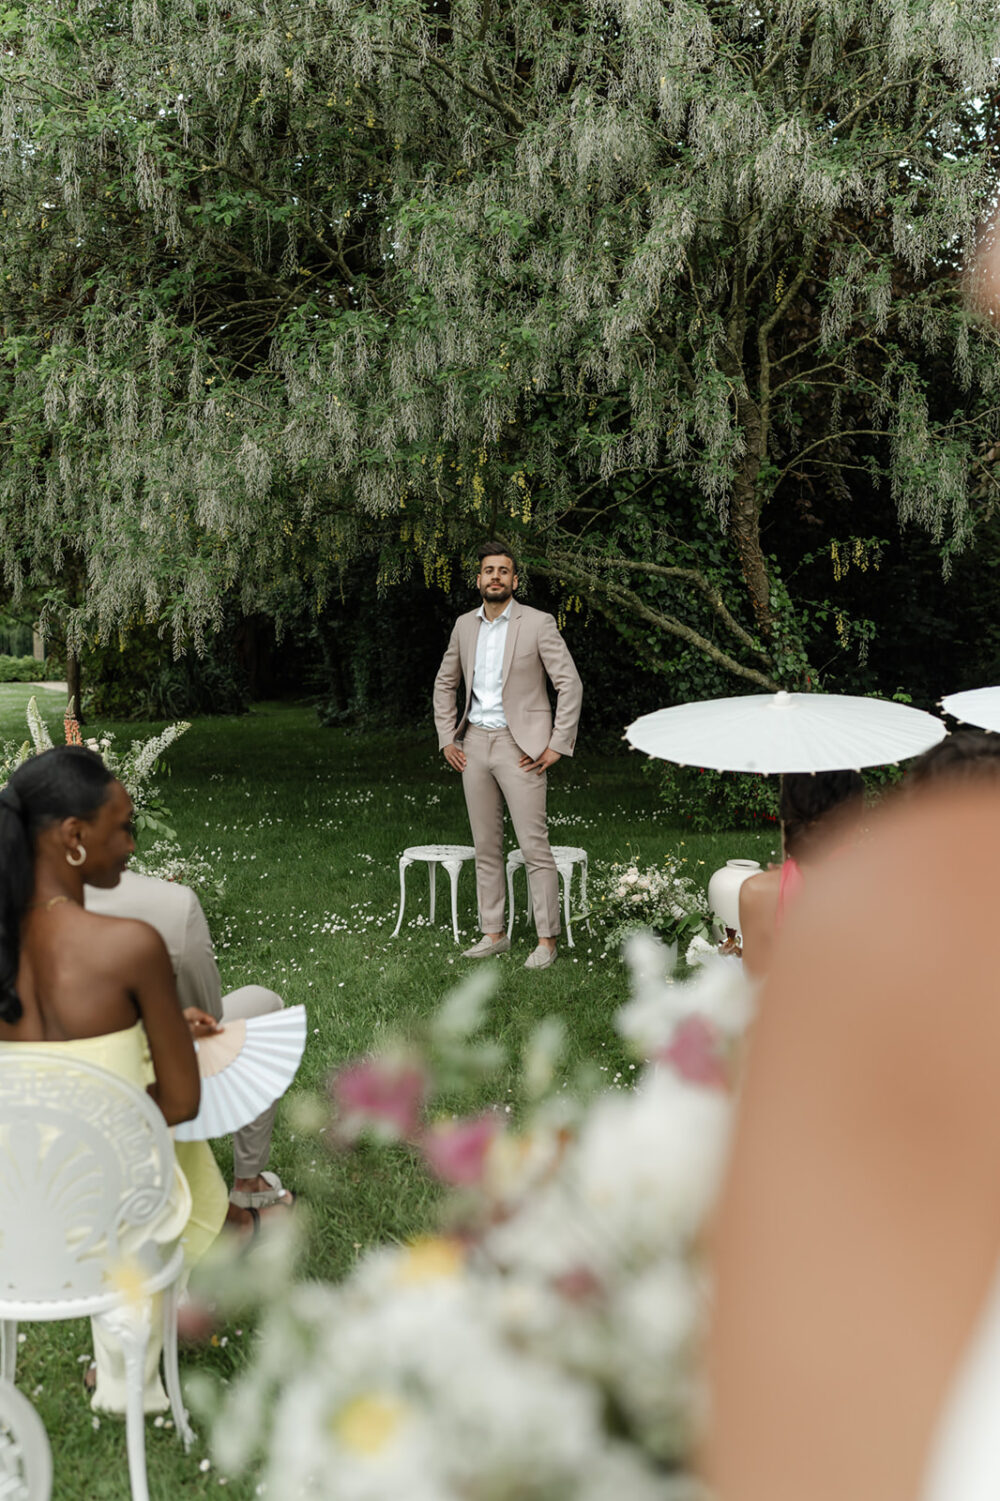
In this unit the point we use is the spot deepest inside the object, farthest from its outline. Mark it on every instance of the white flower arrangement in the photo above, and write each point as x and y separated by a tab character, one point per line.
661	898
166	860
544	1350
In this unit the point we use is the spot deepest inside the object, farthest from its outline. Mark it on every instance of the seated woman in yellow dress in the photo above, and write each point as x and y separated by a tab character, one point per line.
99	988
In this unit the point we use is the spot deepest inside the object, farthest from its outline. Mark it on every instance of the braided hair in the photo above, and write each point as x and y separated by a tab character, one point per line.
68	781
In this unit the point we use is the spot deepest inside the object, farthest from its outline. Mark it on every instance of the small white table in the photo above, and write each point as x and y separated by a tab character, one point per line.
452	857
567	858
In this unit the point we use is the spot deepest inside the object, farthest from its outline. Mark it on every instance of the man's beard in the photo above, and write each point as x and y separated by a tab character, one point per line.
496	591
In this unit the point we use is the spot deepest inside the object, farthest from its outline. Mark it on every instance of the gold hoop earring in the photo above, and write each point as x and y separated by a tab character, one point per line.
81	855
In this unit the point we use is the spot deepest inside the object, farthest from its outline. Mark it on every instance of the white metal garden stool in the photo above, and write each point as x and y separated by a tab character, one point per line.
567	858
452	857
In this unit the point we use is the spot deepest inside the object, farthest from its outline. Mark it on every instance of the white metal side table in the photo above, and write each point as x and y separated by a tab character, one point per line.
452	857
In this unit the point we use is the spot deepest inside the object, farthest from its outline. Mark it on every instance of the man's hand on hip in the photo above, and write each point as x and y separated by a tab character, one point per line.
548	758
455	757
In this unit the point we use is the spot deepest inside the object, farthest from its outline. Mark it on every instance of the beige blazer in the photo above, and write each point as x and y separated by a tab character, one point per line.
175	912
534	651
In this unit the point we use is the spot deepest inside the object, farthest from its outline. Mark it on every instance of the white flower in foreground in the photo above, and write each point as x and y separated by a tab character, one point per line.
620	1474
635	1185
720	992
698	950
405	1384
656	1318
649	1162
548	1355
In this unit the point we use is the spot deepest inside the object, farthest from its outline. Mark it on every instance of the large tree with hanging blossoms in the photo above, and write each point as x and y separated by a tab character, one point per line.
286	285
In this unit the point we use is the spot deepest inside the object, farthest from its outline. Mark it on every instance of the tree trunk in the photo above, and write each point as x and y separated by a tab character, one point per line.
744	526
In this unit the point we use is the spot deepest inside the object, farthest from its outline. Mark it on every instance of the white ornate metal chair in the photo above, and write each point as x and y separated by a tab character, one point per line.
86	1167
25	1457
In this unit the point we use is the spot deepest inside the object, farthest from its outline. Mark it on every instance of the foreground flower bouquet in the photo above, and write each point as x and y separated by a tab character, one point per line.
540	1348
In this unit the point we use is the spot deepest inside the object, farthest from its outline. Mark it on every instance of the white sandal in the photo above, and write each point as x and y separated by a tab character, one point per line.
264	1198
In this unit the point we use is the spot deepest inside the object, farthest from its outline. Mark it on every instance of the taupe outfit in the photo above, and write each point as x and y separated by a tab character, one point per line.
175	912
534	653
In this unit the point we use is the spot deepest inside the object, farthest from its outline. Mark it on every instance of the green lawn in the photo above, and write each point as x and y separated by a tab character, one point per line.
306	825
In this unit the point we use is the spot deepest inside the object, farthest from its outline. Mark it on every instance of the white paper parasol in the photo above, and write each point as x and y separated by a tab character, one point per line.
244	1068
786	732
977	706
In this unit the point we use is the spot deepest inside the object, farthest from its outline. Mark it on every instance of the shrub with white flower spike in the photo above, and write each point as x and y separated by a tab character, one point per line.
139	762
133	768
37	728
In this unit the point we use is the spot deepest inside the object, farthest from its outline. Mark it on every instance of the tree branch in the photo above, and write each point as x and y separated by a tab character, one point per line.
603	595
499	104
851	432
688	575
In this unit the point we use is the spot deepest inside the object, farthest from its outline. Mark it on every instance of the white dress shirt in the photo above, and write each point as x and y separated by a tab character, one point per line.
486	709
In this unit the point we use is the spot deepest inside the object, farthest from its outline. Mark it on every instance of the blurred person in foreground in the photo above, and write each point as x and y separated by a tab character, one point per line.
855	1348
819	811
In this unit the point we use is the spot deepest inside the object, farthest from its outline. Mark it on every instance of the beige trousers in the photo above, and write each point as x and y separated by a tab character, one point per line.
492	777
251	1144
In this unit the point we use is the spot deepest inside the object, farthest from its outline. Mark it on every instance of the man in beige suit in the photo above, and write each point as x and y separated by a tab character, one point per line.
504	740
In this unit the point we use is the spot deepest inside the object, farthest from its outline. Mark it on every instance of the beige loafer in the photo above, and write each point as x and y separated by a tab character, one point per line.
541	958
485	947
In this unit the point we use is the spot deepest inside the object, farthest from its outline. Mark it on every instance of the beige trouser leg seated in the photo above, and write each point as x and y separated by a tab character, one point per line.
491	777
252	1144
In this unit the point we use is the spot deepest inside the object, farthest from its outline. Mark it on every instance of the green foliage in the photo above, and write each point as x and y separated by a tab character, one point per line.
22	670
709	801
286	289
136	679
712	802
15	637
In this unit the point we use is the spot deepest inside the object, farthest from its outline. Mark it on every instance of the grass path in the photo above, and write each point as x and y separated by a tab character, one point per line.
306	826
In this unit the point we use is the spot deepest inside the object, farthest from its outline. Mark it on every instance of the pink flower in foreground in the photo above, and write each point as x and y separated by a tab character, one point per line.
197	1320
455	1151
694	1052
382	1092
580	1285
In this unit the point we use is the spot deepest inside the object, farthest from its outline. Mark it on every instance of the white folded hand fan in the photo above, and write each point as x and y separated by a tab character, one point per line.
244	1068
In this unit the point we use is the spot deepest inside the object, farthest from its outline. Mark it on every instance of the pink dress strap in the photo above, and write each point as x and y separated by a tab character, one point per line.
790	886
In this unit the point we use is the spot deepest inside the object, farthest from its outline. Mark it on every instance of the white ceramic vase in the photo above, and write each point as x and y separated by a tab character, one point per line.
724	893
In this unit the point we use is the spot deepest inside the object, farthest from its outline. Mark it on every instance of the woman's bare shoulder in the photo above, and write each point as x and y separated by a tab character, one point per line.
760	889
125	937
